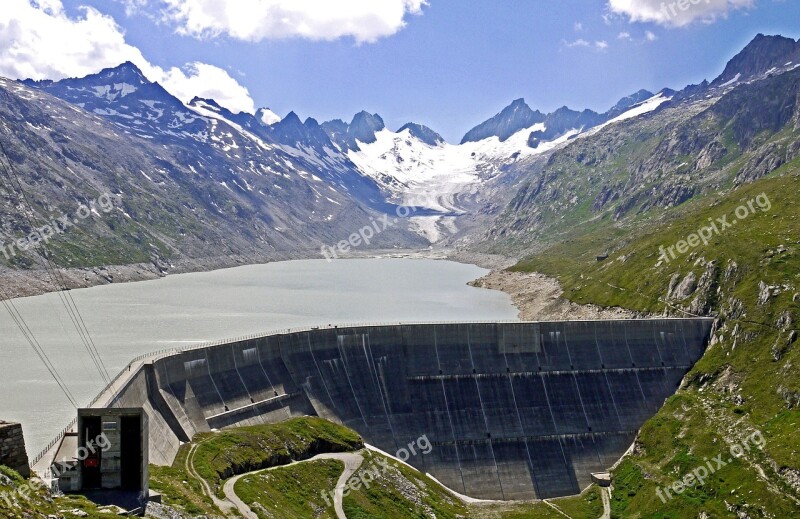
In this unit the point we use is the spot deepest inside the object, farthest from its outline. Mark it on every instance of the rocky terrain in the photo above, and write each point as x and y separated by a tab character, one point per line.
540	298
704	140
601	217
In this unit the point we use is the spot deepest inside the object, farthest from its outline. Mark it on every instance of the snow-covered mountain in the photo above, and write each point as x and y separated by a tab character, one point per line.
363	164
440	180
415	167
362	160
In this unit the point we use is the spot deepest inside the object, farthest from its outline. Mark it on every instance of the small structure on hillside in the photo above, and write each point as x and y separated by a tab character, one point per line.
12	448
112	449
602	479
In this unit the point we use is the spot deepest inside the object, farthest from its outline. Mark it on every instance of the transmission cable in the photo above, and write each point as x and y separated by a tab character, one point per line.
55	275
9	305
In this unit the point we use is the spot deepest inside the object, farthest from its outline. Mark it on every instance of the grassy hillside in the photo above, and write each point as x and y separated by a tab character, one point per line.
20	499
245	449
748	276
293	491
394	489
399	492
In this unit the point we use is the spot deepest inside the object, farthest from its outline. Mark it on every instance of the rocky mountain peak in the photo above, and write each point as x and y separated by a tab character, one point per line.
127	70
631	100
207	103
423	133
760	56
364	127
513	118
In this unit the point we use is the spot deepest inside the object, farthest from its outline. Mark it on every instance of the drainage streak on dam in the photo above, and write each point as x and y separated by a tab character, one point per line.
513	411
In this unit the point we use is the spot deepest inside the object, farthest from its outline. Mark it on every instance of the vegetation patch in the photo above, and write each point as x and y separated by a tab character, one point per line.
225	454
293	491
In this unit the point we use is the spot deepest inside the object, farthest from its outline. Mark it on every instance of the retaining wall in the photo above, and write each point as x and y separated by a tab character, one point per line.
12	448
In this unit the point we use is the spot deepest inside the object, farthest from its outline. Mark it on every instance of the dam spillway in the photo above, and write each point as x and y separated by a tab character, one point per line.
512	410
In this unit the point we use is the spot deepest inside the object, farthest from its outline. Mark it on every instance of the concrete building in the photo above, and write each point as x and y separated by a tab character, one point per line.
112	449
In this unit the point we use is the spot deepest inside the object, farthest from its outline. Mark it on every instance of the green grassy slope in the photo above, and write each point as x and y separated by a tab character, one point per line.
390	490
179	489
20	499
397	491
748	276
293	491
219	456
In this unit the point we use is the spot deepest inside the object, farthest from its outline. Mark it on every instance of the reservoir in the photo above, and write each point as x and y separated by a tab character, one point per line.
127	320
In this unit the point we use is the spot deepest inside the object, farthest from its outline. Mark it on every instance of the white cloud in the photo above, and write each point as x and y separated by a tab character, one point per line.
255	20
133	6
577	43
600	45
210	82
676	13
39	41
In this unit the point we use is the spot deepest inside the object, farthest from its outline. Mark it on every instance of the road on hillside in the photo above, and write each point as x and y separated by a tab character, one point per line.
351	462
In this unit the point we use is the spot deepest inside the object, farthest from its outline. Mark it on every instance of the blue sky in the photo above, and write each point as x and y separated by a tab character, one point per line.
458	62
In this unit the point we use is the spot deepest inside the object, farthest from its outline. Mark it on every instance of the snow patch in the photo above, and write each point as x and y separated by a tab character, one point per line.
735	79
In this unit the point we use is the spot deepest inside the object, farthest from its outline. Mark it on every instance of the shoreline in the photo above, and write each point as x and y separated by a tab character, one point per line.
17	283
535	296
540	298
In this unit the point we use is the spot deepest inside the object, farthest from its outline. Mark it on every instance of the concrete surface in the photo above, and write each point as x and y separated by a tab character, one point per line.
512	410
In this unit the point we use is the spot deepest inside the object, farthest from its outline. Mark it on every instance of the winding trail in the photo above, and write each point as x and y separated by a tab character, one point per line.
605	492
554	507
352	461
224	506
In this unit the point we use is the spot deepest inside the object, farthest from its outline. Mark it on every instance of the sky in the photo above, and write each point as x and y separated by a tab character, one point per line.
448	64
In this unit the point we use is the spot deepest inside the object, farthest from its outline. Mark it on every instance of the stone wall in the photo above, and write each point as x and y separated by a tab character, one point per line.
12	448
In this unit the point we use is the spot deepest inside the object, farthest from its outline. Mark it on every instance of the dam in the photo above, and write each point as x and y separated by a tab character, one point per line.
518	410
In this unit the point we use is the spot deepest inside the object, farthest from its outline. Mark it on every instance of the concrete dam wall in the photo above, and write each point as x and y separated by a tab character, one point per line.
513	411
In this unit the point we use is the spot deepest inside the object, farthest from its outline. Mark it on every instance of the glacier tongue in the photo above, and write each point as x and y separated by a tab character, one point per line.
432	179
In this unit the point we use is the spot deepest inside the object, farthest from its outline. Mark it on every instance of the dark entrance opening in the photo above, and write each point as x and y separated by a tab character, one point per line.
131	453
93	460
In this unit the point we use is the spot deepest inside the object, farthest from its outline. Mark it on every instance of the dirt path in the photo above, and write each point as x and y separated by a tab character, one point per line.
605	492
224	506
351	462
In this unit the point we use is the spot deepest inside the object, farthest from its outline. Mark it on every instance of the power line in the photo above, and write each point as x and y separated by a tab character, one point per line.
55	275
31	339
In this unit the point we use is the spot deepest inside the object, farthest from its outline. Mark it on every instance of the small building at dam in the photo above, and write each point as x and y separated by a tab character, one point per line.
512	410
